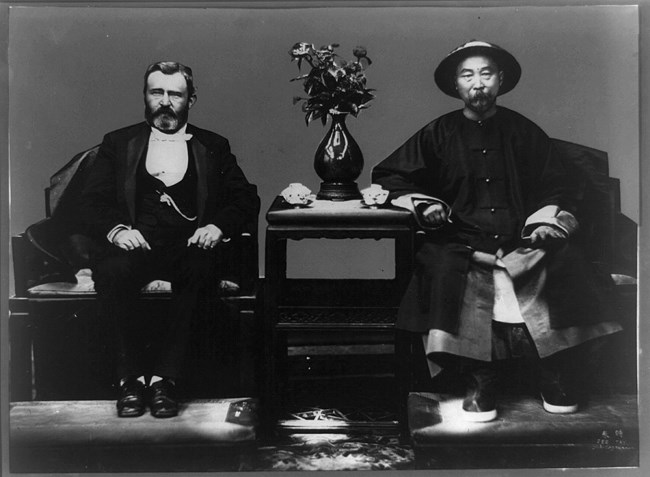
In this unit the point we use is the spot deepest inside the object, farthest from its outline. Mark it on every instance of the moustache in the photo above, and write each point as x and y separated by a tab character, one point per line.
481	96
164	110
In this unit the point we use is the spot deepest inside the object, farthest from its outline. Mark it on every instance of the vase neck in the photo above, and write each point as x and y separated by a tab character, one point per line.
339	117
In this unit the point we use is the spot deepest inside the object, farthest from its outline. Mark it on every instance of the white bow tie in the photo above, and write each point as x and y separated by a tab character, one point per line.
179	136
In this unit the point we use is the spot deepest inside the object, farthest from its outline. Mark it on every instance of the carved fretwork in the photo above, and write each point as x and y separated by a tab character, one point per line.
380	317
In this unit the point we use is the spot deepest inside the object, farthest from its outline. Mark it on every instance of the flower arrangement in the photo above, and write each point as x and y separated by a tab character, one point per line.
333	86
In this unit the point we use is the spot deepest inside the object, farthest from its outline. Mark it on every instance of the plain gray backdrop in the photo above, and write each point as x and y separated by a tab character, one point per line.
76	73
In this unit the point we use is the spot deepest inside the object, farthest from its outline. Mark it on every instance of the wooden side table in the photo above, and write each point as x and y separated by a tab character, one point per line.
334	310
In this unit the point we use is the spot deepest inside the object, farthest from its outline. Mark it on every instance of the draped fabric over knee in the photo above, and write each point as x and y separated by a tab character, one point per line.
434	295
528	271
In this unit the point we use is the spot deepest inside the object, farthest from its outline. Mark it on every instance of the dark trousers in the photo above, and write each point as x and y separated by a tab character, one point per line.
119	276
513	351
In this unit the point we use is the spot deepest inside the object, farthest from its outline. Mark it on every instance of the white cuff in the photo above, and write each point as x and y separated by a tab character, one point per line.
406	201
410	201
551	215
113	232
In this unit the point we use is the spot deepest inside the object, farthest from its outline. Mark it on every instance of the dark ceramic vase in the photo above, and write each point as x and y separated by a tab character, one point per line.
338	162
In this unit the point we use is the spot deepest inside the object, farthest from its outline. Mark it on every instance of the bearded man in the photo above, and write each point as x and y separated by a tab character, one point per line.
160	198
498	276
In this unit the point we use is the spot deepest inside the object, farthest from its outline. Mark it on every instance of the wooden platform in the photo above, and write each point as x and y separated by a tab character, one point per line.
87	436
603	433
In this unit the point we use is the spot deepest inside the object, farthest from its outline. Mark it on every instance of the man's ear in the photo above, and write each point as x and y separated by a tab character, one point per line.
500	78
191	101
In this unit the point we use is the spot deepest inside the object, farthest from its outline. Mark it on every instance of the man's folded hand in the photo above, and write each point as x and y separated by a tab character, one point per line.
130	239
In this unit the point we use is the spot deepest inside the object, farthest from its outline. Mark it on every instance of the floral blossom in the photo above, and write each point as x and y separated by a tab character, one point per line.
333	85
361	52
301	49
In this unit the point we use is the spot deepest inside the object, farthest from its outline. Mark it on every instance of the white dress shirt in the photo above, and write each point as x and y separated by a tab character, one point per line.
167	159
167	156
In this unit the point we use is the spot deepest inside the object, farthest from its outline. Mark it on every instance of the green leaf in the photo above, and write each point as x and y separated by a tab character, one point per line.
297	78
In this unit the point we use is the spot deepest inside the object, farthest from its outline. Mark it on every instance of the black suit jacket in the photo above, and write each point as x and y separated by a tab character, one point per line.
224	196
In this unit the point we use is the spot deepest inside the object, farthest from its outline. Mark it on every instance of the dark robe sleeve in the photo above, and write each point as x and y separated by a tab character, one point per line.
410	168
545	179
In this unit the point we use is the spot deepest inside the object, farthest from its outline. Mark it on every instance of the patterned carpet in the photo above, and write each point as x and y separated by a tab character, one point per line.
302	452
339	390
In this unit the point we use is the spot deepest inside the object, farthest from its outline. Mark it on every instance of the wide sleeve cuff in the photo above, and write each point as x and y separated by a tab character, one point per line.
412	202
553	216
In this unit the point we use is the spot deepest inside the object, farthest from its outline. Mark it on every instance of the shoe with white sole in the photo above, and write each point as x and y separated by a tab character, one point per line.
557	397
479	404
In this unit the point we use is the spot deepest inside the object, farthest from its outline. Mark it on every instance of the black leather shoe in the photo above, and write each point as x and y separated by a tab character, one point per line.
131	402
557	396
479	404
162	400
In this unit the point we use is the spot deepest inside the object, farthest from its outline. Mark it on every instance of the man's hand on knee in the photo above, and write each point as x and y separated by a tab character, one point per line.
130	239
545	233
434	214
206	237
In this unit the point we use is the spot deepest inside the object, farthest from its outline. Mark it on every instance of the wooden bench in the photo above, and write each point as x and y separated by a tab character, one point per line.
60	351
87	436
604	433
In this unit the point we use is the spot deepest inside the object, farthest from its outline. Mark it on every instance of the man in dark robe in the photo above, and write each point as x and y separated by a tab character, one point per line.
160	198
498	272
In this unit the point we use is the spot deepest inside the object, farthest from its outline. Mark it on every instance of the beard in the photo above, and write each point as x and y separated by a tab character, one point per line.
481	102
166	119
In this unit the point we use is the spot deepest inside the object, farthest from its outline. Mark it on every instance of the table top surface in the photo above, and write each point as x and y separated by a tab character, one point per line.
326	212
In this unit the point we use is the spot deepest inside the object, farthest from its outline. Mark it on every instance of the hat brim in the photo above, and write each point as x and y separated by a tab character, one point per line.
445	74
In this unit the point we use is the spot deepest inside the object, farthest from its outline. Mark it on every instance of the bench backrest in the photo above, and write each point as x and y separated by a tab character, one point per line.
596	196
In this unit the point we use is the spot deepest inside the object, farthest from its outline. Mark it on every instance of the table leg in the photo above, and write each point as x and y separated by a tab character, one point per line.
275	274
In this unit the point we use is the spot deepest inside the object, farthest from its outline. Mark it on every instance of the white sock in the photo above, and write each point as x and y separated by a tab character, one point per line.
155	379
141	379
